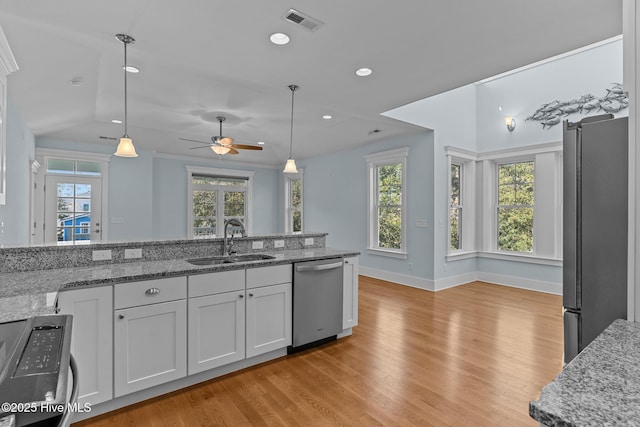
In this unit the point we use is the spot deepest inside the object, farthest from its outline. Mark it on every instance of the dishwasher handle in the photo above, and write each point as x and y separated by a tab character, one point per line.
318	267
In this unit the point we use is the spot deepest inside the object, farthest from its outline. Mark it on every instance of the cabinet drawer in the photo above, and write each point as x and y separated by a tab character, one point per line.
216	283
265	276
149	292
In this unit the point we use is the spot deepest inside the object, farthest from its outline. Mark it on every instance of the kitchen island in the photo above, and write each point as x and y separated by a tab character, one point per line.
599	387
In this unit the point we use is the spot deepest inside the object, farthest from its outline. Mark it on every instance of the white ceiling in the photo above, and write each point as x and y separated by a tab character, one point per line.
204	58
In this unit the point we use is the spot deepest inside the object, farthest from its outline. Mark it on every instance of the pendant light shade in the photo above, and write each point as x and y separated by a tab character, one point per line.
290	166
125	147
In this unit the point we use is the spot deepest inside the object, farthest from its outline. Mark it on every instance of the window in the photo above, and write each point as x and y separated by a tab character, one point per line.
216	196
387	202
455	208
461	209
515	206
294	203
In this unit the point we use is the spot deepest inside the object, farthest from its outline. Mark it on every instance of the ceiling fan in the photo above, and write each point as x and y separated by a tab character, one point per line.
222	144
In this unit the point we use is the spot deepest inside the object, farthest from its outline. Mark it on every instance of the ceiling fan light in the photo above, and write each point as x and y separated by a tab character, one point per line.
226	141
218	149
290	167
126	148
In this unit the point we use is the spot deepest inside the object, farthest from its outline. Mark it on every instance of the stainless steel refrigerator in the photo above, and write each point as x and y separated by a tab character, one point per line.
595	161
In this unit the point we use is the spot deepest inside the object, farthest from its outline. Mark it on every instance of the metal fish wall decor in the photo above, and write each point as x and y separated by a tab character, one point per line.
552	113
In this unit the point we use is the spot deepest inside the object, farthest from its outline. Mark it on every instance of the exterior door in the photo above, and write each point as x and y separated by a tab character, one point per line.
73	209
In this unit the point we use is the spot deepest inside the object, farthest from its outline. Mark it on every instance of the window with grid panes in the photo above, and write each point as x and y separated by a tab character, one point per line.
515	206
216	199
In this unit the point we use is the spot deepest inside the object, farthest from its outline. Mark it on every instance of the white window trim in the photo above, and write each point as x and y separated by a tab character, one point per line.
486	205
42	155
468	198
398	155
199	170
288	221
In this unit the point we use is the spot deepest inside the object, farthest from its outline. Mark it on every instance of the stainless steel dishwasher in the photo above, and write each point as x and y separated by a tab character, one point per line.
317	302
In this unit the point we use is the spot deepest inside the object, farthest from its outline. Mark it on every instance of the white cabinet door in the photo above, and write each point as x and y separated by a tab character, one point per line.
268	318
350	295
150	345
216	330
91	340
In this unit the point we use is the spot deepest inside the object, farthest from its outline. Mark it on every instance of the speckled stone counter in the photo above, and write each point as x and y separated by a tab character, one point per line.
30	293
600	387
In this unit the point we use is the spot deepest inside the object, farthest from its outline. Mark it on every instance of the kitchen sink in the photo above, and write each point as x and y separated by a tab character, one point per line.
229	260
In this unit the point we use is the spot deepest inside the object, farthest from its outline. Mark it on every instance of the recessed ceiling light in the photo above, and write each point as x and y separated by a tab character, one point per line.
327	117
363	72
260	142
116	121
279	38
131	69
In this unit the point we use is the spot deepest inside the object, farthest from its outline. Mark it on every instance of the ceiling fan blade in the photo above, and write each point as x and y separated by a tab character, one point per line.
233	151
196	148
247	147
194	140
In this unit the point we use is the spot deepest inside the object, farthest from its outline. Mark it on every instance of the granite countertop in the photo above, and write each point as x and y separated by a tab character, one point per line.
600	386
33	293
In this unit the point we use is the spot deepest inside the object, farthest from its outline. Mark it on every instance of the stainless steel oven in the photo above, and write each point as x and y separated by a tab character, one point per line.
35	361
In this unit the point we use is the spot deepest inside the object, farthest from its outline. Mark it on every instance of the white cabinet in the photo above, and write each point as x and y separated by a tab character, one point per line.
350	293
216	322
150	341
91	340
268	309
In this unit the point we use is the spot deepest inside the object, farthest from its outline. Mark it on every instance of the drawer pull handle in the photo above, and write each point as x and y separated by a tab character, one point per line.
120	316
152	291
241	296
250	295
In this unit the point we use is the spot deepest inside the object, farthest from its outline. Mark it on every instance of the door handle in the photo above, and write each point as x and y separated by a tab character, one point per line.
320	267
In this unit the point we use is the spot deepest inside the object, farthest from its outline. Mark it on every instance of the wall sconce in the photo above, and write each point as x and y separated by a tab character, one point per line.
510	122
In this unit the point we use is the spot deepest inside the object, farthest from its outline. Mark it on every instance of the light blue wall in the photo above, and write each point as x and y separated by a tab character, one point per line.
20	152
170	201
335	201
148	195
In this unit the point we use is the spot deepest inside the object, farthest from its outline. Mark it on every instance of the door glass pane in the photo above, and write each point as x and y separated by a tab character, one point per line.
59	166
73	212
88	168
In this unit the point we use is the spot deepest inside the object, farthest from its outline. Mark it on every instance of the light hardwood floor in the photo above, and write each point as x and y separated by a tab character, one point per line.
473	355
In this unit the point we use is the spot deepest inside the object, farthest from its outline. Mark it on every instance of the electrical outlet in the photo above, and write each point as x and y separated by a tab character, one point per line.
278	243
257	244
104	255
133	253
308	241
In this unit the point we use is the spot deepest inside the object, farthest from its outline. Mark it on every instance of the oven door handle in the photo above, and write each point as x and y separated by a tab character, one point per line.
319	267
66	416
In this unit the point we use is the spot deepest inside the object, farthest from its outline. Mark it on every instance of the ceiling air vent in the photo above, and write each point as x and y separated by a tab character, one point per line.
306	21
108	138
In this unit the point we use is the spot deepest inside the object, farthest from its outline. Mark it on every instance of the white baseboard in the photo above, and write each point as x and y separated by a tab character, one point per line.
521	283
402	279
461	279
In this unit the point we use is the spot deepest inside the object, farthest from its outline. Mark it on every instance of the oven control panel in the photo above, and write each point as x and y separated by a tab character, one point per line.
41	354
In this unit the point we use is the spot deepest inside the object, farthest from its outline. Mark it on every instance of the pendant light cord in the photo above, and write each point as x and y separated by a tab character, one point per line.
125	42
293	90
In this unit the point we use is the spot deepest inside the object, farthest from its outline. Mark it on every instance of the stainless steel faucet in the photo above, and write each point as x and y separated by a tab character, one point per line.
231	221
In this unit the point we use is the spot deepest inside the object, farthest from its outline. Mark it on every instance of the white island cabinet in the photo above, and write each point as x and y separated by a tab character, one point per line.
150	333
216	320
350	293
91	340
269	309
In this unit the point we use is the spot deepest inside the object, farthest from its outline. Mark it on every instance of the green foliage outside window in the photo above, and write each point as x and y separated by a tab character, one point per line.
296	204
515	206
455	211
390	206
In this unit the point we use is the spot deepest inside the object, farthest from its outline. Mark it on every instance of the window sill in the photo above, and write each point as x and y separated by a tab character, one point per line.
521	257
460	255
387	253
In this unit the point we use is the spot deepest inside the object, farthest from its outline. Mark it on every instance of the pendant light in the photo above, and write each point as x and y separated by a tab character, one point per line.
290	166
125	147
